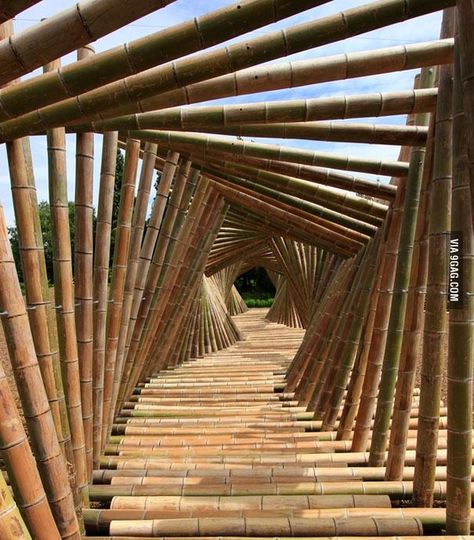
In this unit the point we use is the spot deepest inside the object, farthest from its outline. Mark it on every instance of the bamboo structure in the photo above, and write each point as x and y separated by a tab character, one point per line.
147	400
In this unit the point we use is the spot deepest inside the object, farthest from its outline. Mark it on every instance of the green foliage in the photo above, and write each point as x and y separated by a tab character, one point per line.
259	302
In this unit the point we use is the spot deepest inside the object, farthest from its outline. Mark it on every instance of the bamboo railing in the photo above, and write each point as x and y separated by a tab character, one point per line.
139	396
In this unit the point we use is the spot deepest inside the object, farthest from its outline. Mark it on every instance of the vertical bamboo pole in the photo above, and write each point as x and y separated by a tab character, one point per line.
16	452
396	323
376	345
119	270
83	270
146	256
138	225
64	296
435	335
413	329
461	316
101	280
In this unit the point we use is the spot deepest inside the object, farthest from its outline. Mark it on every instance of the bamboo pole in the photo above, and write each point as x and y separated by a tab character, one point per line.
15	446
11	521
101	278
83	273
298	73
141	54
190	141
85	22
117	284
128	95
435	336
138	226
396	323
64	298
461	313
275	112
413	329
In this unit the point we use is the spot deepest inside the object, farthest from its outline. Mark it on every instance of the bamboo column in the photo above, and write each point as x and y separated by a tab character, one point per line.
393	345
117	284
461	314
64	298
101	280
435	334
83	273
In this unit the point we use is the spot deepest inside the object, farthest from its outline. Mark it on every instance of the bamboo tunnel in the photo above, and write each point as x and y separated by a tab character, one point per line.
144	392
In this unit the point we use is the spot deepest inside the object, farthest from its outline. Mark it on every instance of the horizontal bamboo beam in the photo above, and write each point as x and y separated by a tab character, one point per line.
330	132
305	72
147	52
228	145
128	95
85	22
270	112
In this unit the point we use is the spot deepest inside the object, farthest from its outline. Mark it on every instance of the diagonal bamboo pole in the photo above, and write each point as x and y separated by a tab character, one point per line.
141	54
229	145
15	447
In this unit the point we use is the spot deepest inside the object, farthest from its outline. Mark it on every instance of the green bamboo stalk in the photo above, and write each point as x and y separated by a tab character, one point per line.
304	72
128	96
435	336
229	145
461	315
141	54
396	323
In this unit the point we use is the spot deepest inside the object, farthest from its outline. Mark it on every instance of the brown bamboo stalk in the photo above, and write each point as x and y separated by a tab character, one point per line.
435	334
64	298
138	225
119	271
83	270
16	450
85	22
11	8
101	278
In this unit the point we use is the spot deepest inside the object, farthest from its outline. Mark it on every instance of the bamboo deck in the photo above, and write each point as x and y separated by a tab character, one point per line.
200	461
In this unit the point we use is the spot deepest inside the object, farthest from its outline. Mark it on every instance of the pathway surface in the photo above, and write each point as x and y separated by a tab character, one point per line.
215	448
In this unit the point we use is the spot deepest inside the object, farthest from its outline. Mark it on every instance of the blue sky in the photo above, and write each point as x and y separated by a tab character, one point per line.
417	30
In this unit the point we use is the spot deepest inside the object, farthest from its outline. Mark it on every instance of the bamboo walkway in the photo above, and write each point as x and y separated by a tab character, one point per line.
216	448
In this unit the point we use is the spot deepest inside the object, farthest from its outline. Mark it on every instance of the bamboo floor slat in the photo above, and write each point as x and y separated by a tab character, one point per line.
213	448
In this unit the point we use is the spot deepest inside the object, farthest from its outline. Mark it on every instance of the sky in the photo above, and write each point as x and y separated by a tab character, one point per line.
414	31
